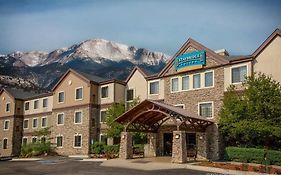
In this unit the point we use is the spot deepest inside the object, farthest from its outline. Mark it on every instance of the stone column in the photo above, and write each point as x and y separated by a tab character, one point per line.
126	146
201	140
151	147
179	153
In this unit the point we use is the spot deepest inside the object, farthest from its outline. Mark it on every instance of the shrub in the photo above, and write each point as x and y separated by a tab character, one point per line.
252	155
98	148
35	149
112	149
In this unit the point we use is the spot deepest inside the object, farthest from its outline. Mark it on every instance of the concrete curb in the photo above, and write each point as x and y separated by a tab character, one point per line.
93	160
26	159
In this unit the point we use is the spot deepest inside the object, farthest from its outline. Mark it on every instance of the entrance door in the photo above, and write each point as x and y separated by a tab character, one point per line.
191	145
168	143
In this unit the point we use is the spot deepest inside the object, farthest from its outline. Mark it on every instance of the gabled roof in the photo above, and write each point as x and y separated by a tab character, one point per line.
276	33
190	42
22	94
145	73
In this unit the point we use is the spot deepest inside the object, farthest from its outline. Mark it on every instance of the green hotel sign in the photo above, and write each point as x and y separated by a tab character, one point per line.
190	61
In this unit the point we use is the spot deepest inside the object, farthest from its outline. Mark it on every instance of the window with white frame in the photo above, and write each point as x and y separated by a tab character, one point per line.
60	119
26	106
196	81
59	140
103	116
206	109
130	95
5	143
104	92
78	117
25	123
45	102
209	79
103	138
44	122
24	140
8	107
35	123
36	104
238	74
43	139
79	93
154	88
174	84
34	139
78	141
185	83
6	124
61	97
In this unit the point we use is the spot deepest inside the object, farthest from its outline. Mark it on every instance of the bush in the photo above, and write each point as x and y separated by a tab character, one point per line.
252	155
98	148
35	149
112	149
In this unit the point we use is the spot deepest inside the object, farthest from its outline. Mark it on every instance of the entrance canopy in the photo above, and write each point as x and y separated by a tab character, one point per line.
149	115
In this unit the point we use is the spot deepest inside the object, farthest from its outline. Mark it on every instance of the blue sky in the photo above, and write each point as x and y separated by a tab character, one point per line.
239	26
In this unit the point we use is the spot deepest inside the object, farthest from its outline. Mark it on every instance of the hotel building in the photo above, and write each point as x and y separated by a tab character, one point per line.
183	100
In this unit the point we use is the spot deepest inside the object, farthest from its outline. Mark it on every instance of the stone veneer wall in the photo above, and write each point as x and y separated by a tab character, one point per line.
191	99
6	134
17	135
69	130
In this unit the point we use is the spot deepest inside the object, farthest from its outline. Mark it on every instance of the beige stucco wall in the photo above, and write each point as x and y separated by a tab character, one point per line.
110	98
40	108
69	91
139	84
5	98
119	93
161	90
269	60
227	74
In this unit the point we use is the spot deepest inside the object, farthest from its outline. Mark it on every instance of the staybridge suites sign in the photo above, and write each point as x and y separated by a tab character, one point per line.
190	61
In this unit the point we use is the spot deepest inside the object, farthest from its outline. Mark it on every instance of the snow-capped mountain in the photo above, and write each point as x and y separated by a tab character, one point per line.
95	56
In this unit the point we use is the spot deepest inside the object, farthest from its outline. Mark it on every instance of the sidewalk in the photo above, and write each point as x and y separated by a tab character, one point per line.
148	164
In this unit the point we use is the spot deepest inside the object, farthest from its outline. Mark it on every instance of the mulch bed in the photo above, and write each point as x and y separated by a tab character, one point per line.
243	167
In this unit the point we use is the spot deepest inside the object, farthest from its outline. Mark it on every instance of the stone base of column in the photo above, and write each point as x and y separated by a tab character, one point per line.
126	146
179	153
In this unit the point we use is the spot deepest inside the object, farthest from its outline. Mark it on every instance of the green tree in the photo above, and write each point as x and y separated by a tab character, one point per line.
114	128
252	117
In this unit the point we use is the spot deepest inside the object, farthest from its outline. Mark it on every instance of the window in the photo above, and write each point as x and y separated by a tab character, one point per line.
36	104
104	92
35	123
45	102
103	138
34	139
5	143
185	83
130	94
61	97
26	106
205	109
77	141
60	119
25	124
24	140
154	87
79	93
43	139
6	124
196	81
44	122
78	117
209	79
59	141
102	116
175	84
238	74
8	107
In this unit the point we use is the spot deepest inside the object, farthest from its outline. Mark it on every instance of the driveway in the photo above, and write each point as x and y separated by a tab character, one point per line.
74	167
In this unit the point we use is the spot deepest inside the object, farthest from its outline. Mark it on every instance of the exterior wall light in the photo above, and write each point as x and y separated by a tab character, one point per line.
123	136
201	137
177	136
